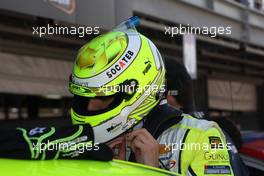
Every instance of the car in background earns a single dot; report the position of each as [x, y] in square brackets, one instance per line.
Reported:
[252, 151]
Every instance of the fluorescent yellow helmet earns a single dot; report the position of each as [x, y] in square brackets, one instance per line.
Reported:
[121, 63]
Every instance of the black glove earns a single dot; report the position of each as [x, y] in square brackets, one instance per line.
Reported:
[40, 143]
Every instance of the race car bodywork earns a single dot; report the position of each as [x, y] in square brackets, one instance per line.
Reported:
[14, 167]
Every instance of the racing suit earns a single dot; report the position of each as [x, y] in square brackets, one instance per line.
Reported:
[189, 146]
[194, 147]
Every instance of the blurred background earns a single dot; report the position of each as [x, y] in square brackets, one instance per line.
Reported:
[227, 70]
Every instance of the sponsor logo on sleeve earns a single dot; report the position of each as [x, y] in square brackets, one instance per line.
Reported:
[220, 169]
[216, 157]
[172, 163]
[215, 142]
[163, 149]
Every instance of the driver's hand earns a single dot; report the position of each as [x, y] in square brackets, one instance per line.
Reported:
[144, 146]
[118, 147]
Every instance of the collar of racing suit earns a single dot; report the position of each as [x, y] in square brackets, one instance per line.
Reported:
[158, 120]
[161, 118]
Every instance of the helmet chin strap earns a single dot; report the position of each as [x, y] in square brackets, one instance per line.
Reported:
[139, 125]
[136, 127]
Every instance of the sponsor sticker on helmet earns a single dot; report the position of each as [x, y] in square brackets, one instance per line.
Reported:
[114, 127]
[148, 66]
[120, 65]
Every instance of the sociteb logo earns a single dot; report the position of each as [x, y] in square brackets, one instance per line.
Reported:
[120, 65]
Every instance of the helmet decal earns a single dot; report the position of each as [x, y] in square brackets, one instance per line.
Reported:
[116, 68]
